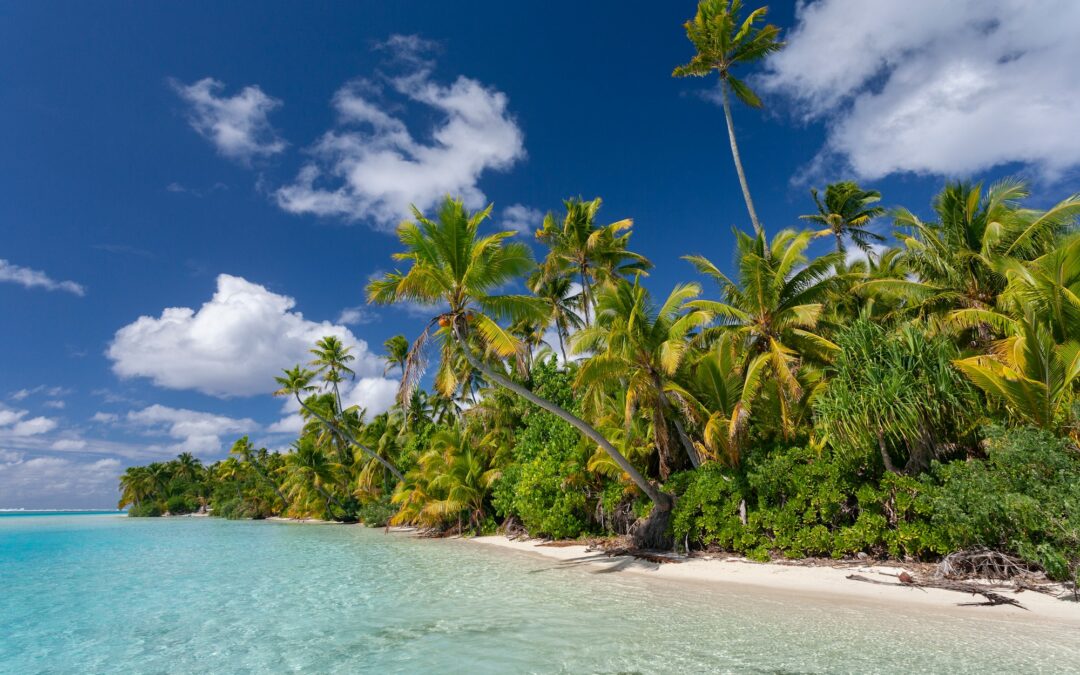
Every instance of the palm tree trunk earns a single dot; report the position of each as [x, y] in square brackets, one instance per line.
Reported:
[341, 432]
[586, 300]
[885, 459]
[662, 500]
[758, 230]
[562, 346]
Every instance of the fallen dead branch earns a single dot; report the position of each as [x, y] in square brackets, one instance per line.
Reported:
[992, 599]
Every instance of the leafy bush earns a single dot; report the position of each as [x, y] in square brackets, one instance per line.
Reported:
[1024, 498]
[180, 504]
[145, 510]
[800, 503]
[542, 485]
[376, 514]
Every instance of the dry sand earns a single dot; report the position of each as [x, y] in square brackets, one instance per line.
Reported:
[821, 582]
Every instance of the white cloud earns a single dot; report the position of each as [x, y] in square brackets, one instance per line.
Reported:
[371, 167]
[46, 390]
[234, 345]
[375, 394]
[69, 444]
[937, 88]
[523, 219]
[197, 432]
[56, 482]
[355, 316]
[55, 404]
[33, 426]
[104, 418]
[9, 416]
[238, 126]
[29, 278]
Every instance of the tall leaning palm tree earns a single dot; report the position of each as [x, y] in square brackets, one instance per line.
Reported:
[724, 40]
[845, 212]
[449, 262]
[397, 352]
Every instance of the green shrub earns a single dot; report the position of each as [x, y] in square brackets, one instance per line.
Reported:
[543, 485]
[180, 504]
[1024, 498]
[145, 510]
[376, 514]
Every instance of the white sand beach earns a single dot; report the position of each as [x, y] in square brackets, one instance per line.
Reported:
[807, 582]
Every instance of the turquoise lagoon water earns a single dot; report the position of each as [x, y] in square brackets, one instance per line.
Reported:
[109, 594]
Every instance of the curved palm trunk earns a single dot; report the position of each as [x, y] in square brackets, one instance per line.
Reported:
[270, 482]
[349, 437]
[663, 501]
[738, 163]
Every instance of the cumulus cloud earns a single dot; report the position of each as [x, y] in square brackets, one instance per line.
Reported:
[104, 417]
[523, 219]
[57, 482]
[196, 432]
[374, 394]
[30, 278]
[937, 88]
[238, 125]
[69, 444]
[371, 167]
[233, 345]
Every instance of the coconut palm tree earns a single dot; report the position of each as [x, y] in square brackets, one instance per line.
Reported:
[845, 212]
[557, 293]
[245, 450]
[724, 41]
[593, 253]
[449, 262]
[187, 467]
[137, 484]
[775, 309]
[1035, 378]
[397, 351]
[307, 469]
[955, 261]
[297, 381]
[643, 345]
[332, 360]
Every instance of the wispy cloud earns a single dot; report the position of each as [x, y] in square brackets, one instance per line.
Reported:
[30, 278]
[355, 316]
[523, 219]
[238, 125]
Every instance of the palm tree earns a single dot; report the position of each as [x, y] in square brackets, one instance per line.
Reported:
[1031, 375]
[594, 253]
[845, 212]
[297, 381]
[775, 309]
[244, 449]
[136, 484]
[557, 294]
[644, 346]
[307, 469]
[450, 263]
[724, 40]
[955, 261]
[331, 361]
[397, 352]
[187, 467]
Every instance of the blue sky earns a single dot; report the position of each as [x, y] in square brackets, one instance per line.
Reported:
[191, 192]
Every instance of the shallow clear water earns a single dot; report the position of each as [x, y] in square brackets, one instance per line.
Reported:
[109, 594]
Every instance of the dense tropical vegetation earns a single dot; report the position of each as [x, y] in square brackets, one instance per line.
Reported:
[914, 400]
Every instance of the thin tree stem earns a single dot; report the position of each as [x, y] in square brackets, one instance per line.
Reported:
[758, 230]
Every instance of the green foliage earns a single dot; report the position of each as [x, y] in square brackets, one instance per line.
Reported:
[538, 487]
[800, 503]
[895, 393]
[376, 514]
[1024, 498]
[145, 510]
[179, 505]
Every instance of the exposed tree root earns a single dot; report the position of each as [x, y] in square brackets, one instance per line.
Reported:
[652, 532]
[992, 599]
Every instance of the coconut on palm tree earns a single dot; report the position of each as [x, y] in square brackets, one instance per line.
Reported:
[450, 262]
[724, 41]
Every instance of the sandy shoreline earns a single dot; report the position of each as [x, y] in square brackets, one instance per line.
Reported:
[828, 583]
